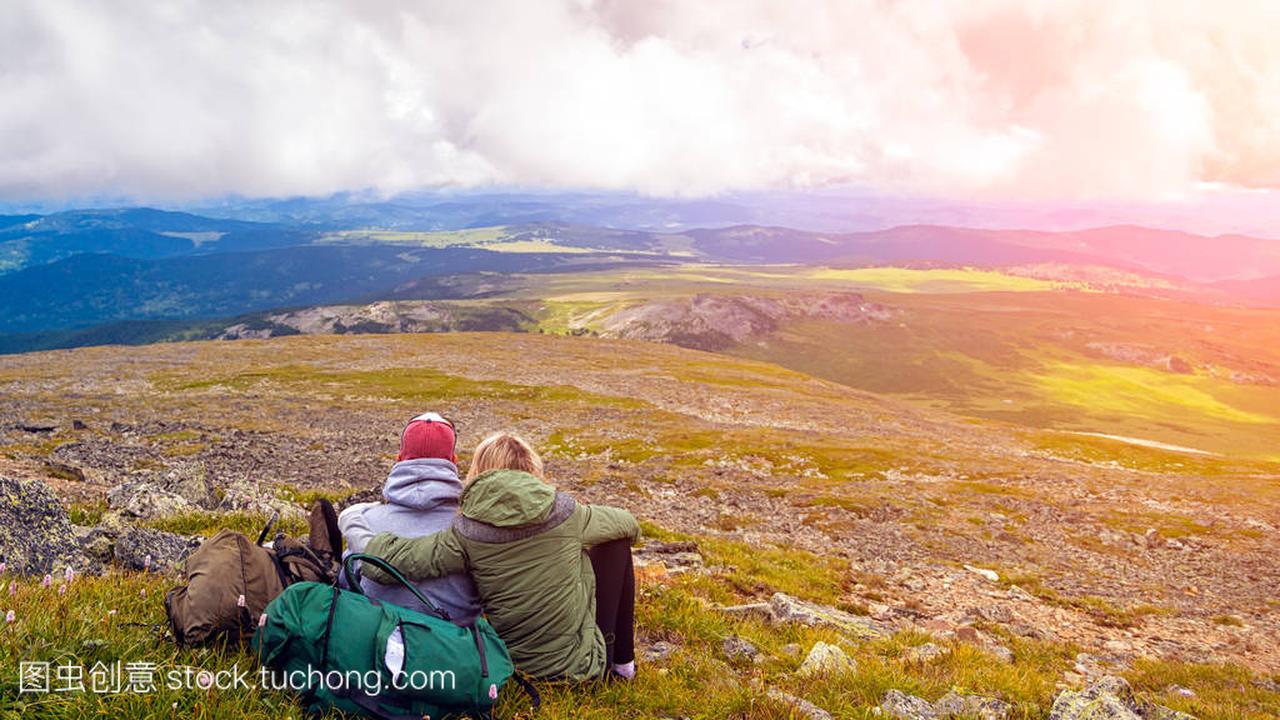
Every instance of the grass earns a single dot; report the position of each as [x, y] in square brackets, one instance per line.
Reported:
[418, 385]
[939, 280]
[118, 618]
[1103, 610]
[1143, 391]
[205, 524]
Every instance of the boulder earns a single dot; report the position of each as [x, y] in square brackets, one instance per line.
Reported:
[738, 649]
[991, 613]
[191, 482]
[250, 497]
[156, 550]
[897, 704]
[36, 535]
[924, 653]
[799, 706]
[955, 704]
[660, 650]
[1109, 698]
[990, 575]
[827, 659]
[675, 557]
[787, 609]
[145, 500]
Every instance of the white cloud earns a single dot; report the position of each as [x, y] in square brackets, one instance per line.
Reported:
[1125, 99]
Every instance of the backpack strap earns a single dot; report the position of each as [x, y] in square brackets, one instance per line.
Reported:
[527, 686]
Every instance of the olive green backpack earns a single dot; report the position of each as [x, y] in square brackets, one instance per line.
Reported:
[230, 578]
[341, 649]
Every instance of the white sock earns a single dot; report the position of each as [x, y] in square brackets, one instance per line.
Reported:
[626, 670]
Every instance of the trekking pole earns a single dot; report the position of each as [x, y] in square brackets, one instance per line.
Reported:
[275, 515]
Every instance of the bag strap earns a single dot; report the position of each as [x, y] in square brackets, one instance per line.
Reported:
[349, 565]
[529, 690]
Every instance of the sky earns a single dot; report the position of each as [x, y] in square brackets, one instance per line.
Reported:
[1115, 101]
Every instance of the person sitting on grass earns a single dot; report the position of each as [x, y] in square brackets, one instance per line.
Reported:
[555, 576]
[421, 495]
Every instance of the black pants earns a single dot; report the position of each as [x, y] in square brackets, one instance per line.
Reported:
[615, 599]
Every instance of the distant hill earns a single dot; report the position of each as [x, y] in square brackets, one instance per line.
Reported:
[1265, 290]
[1163, 252]
[143, 233]
[90, 289]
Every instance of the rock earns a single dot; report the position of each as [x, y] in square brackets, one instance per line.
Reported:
[1267, 684]
[1002, 653]
[924, 653]
[1025, 630]
[245, 496]
[761, 609]
[826, 659]
[968, 633]
[1108, 698]
[660, 650]
[991, 575]
[954, 704]
[738, 649]
[914, 584]
[676, 557]
[190, 482]
[792, 649]
[1018, 593]
[38, 427]
[165, 550]
[787, 609]
[991, 613]
[97, 543]
[1160, 712]
[939, 625]
[1117, 646]
[1180, 691]
[36, 535]
[897, 704]
[145, 500]
[64, 471]
[802, 707]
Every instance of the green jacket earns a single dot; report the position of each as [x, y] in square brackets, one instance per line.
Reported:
[525, 545]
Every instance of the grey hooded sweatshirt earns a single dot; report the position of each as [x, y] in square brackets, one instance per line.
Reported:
[421, 498]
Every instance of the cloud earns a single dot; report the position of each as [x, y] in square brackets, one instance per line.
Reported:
[1119, 100]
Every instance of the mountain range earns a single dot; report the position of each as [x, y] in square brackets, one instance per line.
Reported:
[76, 270]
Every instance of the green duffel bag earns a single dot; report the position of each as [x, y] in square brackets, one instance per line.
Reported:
[340, 649]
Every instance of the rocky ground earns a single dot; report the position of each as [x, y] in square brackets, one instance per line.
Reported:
[961, 530]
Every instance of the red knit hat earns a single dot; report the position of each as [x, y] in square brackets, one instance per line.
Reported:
[428, 436]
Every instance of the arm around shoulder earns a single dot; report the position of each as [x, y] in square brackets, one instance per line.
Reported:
[429, 556]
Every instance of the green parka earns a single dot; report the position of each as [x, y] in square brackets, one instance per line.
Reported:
[525, 545]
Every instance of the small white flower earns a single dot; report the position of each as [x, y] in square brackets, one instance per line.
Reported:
[146, 563]
[62, 589]
[142, 592]
[3, 567]
[69, 574]
[10, 616]
[240, 601]
[48, 580]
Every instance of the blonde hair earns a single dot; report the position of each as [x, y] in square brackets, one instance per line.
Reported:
[504, 451]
